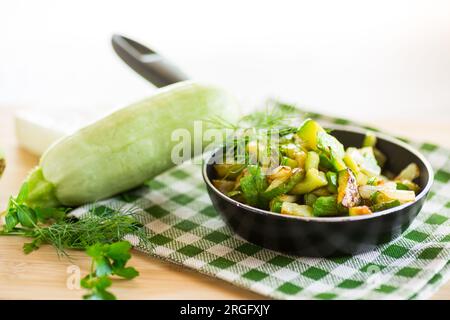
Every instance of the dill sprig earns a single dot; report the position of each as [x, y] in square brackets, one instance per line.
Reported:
[275, 115]
[266, 127]
[100, 232]
[98, 226]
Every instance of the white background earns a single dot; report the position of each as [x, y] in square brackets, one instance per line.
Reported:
[358, 59]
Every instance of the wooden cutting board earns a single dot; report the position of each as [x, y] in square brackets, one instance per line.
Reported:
[42, 275]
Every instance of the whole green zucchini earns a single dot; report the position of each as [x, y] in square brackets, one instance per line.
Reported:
[124, 149]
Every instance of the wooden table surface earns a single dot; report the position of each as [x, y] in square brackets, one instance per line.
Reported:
[42, 275]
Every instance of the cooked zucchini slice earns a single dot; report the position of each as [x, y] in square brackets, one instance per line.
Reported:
[410, 173]
[314, 179]
[308, 133]
[359, 211]
[285, 186]
[224, 186]
[295, 209]
[385, 205]
[228, 170]
[325, 206]
[348, 194]
[312, 161]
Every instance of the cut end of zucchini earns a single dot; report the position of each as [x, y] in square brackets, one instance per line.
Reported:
[41, 193]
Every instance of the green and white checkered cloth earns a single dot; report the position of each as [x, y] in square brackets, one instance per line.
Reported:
[183, 227]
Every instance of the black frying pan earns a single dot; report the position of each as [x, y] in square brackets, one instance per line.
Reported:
[323, 237]
[327, 236]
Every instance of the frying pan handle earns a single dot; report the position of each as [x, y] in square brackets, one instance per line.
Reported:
[146, 62]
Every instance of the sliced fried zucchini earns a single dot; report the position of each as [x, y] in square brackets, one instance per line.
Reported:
[224, 186]
[370, 140]
[367, 190]
[308, 133]
[252, 185]
[348, 195]
[312, 161]
[359, 211]
[325, 206]
[314, 179]
[284, 187]
[388, 195]
[385, 205]
[228, 170]
[407, 185]
[300, 157]
[410, 173]
[365, 160]
[295, 209]
[310, 198]
[286, 161]
[290, 150]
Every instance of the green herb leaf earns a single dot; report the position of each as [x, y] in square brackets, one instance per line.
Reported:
[47, 214]
[102, 283]
[98, 285]
[90, 281]
[100, 295]
[119, 251]
[96, 250]
[11, 221]
[127, 273]
[100, 234]
[26, 216]
[103, 267]
[32, 246]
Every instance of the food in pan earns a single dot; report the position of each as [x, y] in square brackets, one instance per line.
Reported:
[307, 172]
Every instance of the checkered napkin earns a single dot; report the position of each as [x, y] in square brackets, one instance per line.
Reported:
[183, 227]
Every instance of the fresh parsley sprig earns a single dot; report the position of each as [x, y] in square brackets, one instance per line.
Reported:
[107, 260]
[100, 233]
[18, 213]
